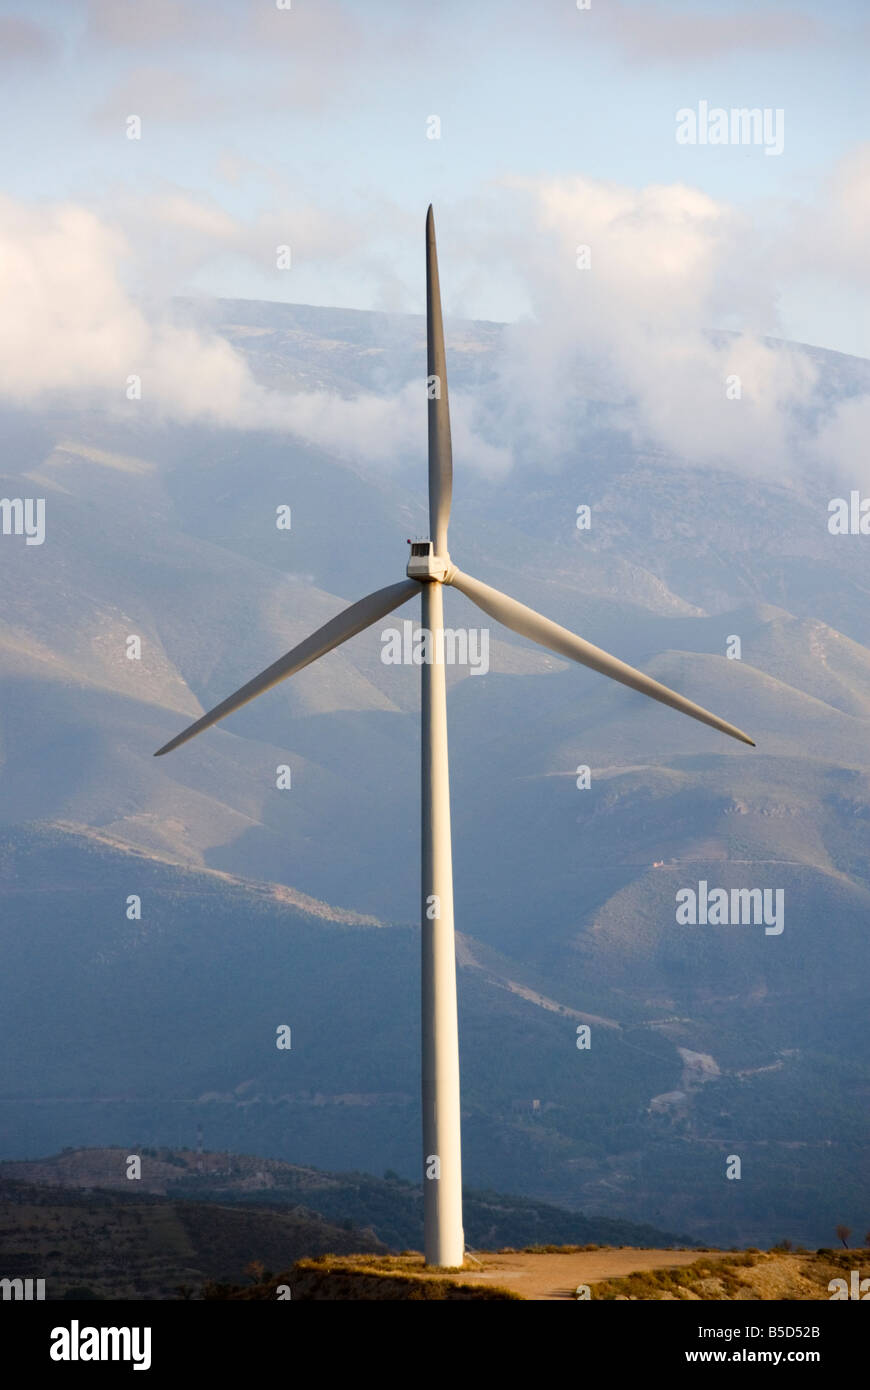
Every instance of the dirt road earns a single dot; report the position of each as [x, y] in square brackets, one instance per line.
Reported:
[557, 1276]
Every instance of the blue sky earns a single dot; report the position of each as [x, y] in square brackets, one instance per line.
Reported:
[260, 112]
[266, 127]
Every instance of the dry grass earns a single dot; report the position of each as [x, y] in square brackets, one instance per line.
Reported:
[553, 1272]
[753, 1275]
[383, 1277]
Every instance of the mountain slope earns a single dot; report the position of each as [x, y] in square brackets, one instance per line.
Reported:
[566, 896]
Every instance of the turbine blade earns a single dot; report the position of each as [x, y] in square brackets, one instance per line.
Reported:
[528, 623]
[347, 624]
[440, 451]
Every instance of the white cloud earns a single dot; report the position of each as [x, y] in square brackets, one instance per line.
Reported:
[158, 22]
[830, 237]
[624, 344]
[841, 445]
[163, 94]
[389, 429]
[675, 33]
[628, 340]
[301, 58]
[70, 329]
[24, 43]
[173, 233]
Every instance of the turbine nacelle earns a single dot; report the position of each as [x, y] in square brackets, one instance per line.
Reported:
[426, 566]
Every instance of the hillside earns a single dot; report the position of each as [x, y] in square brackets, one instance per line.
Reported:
[116, 1245]
[169, 1026]
[193, 1218]
[263, 907]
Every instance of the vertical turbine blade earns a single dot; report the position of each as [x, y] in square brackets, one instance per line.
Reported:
[347, 624]
[530, 624]
[440, 452]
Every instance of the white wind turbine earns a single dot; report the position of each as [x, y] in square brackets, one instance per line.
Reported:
[428, 569]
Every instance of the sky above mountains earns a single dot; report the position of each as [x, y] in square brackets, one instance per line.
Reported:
[288, 151]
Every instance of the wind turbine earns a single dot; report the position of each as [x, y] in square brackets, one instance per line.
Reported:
[429, 568]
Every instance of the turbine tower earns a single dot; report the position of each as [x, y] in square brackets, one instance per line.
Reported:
[429, 568]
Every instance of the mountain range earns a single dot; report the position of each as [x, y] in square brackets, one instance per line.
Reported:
[262, 907]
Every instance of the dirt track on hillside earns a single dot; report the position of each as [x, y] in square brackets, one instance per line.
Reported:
[557, 1276]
